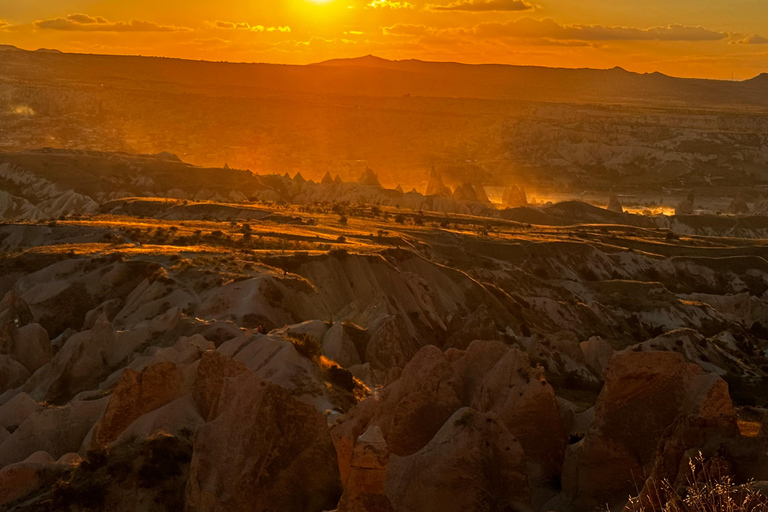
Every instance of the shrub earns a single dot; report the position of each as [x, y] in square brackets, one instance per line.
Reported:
[307, 346]
[400, 219]
[707, 488]
[341, 377]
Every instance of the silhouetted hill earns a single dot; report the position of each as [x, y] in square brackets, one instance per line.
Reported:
[373, 76]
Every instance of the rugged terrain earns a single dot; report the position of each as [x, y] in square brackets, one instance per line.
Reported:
[176, 337]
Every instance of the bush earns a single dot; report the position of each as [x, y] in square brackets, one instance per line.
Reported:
[708, 488]
[307, 346]
[341, 377]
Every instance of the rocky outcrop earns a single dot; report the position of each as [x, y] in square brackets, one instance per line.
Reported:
[685, 207]
[480, 193]
[364, 487]
[436, 187]
[739, 205]
[614, 204]
[55, 430]
[465, 192]
[514, 197]
[472, 463]
[417, 405]
[263, 451]
[212, 370]
[136, 394]
[369, 179]
[327, 179]
[523, 400]
[644, 393]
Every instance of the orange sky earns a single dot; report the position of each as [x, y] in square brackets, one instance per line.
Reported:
[704, 38]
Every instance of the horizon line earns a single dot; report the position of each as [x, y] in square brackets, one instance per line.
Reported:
[529, 66]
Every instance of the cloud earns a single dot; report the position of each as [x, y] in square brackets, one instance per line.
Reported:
[549, 29]
[4, 24]
[484, 6]
[228, 25]
[753, 39]
[389, 4]
[407, 30]
[86, 23]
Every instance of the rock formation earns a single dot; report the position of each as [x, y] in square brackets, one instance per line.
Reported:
[614, 204]
[648, 390]
[369, 179]
[514, 197]
[465, 192]
[436, 187]
[685, 207]
[739, 205]
[263, 451]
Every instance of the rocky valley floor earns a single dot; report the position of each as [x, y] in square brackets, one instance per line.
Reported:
[162, 354]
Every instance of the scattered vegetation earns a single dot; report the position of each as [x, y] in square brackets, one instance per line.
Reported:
[708, 488]
[307, 346]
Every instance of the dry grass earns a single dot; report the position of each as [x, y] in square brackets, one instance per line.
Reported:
[708, 488]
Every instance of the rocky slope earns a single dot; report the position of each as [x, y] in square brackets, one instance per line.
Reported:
[162, 354]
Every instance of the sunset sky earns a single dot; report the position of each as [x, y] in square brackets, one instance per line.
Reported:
[702, 38]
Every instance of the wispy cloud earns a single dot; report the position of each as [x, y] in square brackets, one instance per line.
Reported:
[86, 23]
[548, 28]
[753, 39]
[389, 4]
[229, 25]
[484, 6]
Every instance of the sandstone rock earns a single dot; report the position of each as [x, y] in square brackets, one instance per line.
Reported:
[596, 352]
[685, 207]
[17, 409]
[480, 193]
[177, 418]
[20, 479]
[264, 451]
[436, 187]
[340, 347]
[209, 380]
[33, 347]
[472, 463]
[614, 204]
[347, 429]
[56, 430]
[135, 395]
[369, 178]
[644, 393]
[473, 366]
[465, 192]
[414, 407]
[364, 489]
[514, 197]
[739, 205]
[12, 373]
[526, 404]
[79, 365]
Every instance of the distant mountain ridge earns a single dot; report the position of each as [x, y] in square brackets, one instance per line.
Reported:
[374, 76]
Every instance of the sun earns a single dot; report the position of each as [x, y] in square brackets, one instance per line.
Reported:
[320, 2]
